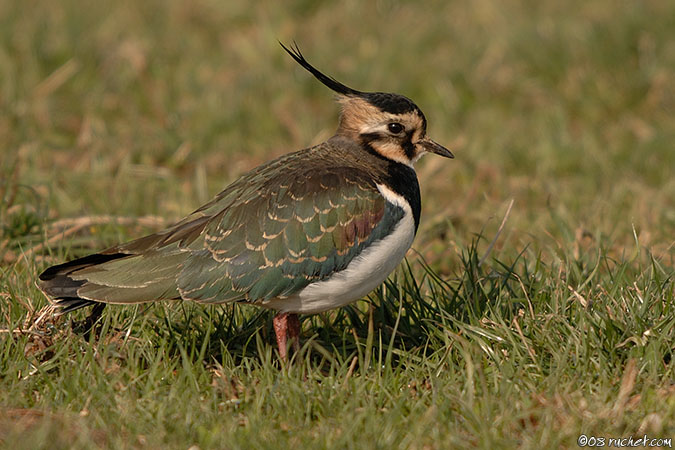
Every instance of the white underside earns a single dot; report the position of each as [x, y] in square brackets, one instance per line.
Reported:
[363, 274]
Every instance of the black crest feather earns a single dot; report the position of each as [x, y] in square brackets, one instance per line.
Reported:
[392, 103]
[330, 82]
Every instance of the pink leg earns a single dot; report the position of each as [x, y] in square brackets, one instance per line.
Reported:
[294, 331]
[287, 325]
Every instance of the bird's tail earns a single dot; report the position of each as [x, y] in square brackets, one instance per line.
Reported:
[62, 290]
[112, 277]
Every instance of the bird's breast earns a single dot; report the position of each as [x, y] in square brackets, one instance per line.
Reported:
[363, 274]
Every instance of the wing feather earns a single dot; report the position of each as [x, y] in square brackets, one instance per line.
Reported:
[288, 240]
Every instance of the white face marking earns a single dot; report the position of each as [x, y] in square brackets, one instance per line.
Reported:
[393, 151]
[390, 145]
[420, 152]
[360, 118]
[363, 274]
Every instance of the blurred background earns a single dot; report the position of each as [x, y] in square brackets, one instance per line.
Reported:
[147, 109]
[120, 117]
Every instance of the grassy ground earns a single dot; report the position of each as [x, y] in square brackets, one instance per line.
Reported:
[116, 118]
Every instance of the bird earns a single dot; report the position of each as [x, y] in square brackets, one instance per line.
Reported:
[310, 231]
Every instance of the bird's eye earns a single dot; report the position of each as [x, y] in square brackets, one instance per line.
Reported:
[395, 127]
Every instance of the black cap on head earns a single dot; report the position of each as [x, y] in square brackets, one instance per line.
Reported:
[391, 103]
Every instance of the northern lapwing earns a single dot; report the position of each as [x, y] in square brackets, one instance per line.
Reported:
[308, 232]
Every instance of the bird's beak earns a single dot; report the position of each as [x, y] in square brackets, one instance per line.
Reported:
[433, 147]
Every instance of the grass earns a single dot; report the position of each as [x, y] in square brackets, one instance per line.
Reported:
[117, 119]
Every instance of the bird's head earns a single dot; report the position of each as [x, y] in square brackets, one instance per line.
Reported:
[389, 124]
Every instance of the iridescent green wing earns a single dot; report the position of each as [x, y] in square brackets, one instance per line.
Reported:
[142, 270]
[281, 233]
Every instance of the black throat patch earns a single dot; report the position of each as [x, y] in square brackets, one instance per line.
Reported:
[401, 179]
